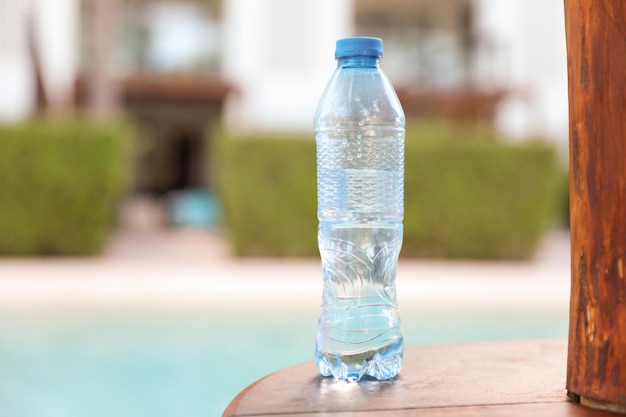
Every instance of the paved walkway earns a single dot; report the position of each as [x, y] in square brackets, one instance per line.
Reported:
[179, 270]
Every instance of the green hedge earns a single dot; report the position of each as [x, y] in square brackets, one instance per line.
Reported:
[471, 196]
[60, 185]
[267, 188]
[467, 195]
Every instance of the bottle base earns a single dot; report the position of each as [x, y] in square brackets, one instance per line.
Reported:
[380, 364]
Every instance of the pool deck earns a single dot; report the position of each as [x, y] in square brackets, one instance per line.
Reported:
[186, 270]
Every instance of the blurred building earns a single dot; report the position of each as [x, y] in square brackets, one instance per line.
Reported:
[180, 66]
[503, 62]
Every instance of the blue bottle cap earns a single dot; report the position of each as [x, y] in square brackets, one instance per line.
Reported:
[359, 47]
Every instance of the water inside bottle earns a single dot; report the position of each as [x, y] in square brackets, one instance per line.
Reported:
[359, 332]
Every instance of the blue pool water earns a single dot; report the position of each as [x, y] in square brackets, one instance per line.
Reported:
[189, 365]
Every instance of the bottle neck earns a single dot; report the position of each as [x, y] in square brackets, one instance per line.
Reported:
[358, 62]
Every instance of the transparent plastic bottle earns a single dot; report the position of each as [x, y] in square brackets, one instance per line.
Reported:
[359, 132]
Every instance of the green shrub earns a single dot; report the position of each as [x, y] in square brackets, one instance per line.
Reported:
[60, 185]
[467, 195]
[475, 198]
[267, 189]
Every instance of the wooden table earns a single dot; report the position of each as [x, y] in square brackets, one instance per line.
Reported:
[524, 378]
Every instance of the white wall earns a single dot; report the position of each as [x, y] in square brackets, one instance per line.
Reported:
[55, 24]
[17, 96]
[523, 50]
[280, 54]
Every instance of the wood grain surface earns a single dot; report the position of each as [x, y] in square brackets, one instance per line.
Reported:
[474, 379]
[596, 51]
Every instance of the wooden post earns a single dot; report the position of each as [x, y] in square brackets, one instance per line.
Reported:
[596, 53]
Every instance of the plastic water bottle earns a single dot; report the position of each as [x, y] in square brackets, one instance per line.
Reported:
[359, 132]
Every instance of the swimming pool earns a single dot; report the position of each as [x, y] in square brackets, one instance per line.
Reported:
[193, 364]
